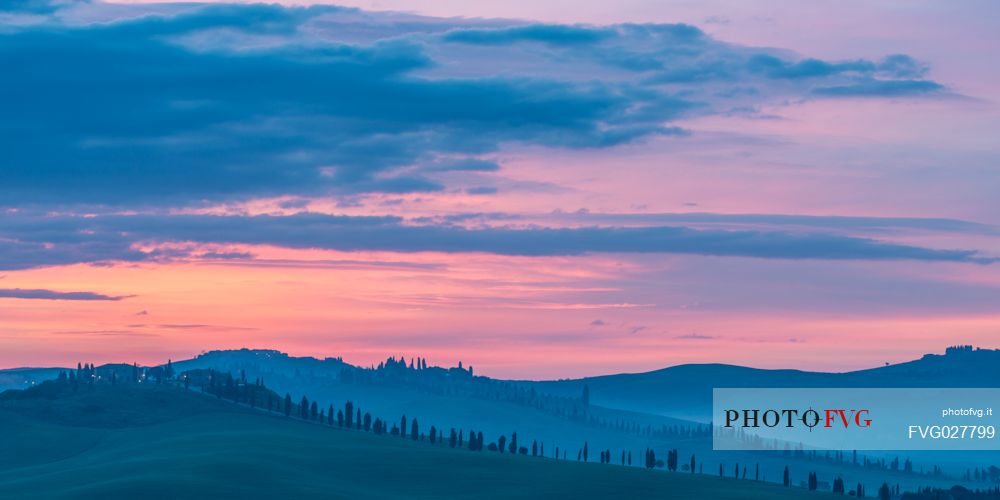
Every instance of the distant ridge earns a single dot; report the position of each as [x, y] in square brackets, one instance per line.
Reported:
[685, 391]
[682, 391]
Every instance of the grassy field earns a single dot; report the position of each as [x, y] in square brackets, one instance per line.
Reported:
[162, 442]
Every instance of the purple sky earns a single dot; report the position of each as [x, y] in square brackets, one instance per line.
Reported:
[542, 189]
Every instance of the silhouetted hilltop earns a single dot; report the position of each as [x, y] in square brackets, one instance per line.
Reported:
[685, 391]
[19, 378]
[238, 359]
[682, 391]
[628, 411]
[963, 365]
[102, 405]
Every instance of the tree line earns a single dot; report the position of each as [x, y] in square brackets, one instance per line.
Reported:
[238, 389]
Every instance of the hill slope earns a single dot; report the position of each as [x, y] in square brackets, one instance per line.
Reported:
[20, 378]
[222, 450]
[682, 392]
[685, 391]
[433, 394]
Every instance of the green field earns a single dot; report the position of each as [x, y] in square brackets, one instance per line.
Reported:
[163, 442]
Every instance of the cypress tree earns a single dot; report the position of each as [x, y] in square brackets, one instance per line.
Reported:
[838, 486]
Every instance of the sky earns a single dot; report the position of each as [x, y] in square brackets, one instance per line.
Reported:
[539, 189]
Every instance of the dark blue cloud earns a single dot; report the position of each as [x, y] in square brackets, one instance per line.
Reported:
[811, 222]
[545, 33]
[881, 88]
[28, 6]
[226, 255]
[39, 294]
[774, 67]
[121, 113]
[52, 240]
[213, 103]
[678, 32]
[902, 66]
[463, 164]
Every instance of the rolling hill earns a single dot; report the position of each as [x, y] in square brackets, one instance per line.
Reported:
[149, 441]
[685, 391]
[679, 392]
[442, 397]
[433, 394]
[20, 378]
